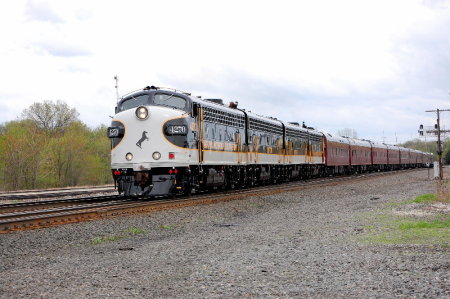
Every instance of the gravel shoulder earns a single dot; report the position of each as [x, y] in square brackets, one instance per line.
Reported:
[307, 243]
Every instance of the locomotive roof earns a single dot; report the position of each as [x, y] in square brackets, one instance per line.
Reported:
[337, 139]
[379, 145]
[300, 128]
[206, 103]
[392, 147]
[360, 142]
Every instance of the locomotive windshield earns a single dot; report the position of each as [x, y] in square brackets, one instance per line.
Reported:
[133, 102]
[157, 99]
[169, 100]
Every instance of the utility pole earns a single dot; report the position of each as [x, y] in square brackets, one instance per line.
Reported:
[438, 132]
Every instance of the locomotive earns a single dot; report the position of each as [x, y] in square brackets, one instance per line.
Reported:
[167, 142]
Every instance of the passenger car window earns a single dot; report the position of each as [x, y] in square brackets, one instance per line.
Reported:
[169, 100]
[134, 102]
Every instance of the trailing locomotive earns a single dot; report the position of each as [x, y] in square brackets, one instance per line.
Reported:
[166, 142]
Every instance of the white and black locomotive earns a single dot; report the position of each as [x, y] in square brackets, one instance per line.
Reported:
[166, 142]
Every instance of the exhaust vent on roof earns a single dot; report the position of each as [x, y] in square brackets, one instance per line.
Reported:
[217, 101]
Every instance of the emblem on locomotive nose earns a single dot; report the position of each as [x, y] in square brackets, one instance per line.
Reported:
[143, 138]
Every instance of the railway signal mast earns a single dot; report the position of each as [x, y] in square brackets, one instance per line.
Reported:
[436, 131]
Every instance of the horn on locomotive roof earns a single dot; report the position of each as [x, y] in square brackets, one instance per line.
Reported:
[233, 105]
[151, 87]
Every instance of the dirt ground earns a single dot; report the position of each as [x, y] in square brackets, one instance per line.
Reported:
[318, 242]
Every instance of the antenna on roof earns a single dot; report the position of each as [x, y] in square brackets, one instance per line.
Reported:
[117, 87]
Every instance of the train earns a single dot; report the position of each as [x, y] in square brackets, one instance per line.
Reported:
[166, 142]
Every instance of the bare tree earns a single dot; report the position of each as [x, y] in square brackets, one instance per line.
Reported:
[51, 116]
[347, 132]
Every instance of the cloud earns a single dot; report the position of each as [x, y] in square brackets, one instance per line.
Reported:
[42, 12]
[71, 68]
[59, 49]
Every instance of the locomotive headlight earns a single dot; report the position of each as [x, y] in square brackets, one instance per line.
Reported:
[156, 155]
[142, 112]
[129, 156]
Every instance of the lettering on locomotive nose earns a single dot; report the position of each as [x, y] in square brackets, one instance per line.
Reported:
[143, 138]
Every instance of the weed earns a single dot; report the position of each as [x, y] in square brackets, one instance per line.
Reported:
[168, 226]
[135, 230]
[129, 231]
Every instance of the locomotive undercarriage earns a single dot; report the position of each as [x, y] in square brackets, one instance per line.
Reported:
[202, 178]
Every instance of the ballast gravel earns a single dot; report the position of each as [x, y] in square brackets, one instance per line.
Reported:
[289, 245]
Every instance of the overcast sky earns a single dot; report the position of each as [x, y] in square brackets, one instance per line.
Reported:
[373, 66]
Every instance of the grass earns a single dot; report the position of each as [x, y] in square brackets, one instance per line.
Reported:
[131, 231]
[390, 229]
[425, 198]
[436, 232]
[135, 230]
[168, 226]
[424, 224]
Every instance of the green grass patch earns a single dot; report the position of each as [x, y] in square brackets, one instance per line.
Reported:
[425, 198]
[135, 230]
[385, 227]
[131, 231]
[425, 224]
[413, 236]
[168, 226]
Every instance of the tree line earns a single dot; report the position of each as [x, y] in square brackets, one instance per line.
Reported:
[48, 146]
[430, 147]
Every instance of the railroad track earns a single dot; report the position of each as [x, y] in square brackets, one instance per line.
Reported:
[50, 193]
[32, 215]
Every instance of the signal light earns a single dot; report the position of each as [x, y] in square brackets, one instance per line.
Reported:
[175, 171]
[117, 172]
[170, 171]
[171, 156]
